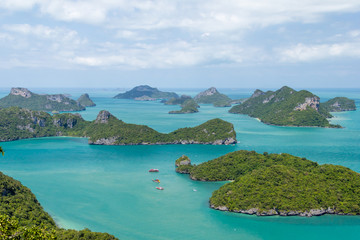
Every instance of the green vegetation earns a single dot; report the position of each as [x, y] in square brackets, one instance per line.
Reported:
[189, 106]
[85, 101]
[339, 104]
[23, 98]
[212, 96]
[177, 101]
[280, 184]
[22, 216]
[285, 107]
[17, 123]
[145, 90]
[183, 164]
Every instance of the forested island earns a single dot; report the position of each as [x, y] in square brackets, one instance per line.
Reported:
[287, 107]
[84, 100]
[17, 123]
[277, 184]
[212, 96]
[146, 93]
[22, 216]
[22, 97]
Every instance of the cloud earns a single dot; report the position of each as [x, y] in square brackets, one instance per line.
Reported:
[204, 15]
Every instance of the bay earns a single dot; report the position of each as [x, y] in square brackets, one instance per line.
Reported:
[109, 188]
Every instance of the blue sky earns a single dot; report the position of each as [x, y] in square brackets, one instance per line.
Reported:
[171, 43]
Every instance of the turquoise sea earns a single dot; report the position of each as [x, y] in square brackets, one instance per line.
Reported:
[109, 188]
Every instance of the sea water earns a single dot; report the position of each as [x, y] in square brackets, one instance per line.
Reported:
[109, 188]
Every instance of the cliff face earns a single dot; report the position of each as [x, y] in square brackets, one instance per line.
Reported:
[312, 102]
[22, 97]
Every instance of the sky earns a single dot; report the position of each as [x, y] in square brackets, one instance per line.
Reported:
[180, 43]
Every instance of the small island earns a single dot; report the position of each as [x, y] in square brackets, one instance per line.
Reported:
[287, 107]
[212, 96]
[17, 123]
[188, 106]
[278, 184]
[22, 97]
[84, 100]
[146, 93]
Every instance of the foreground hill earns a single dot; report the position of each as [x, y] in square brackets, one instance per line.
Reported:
[145, 92]
[17, 123]
[286, 107]
[278, 184]
[22, 97]
[212, 96]
[22, 216]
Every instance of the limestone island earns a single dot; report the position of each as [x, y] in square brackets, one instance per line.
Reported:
[22, 216]
[277, 184]
[212, 96]
[146, 93]
[287, 107]
[17, 123]
[22, 97]
[84, 100]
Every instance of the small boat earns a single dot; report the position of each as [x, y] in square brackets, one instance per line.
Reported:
[159, 188]
[154, 170]
[194, 190]
[156, 180]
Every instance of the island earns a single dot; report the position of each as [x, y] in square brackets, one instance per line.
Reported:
[188, 106]
[278, 184]
[17, 123]
[339, 104]
[84, 100]
[287, 107]
[22, 216]
[212, 96]
[146, 93]
[22, 97]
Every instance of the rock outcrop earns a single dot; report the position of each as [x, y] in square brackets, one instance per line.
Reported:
[23, 92]
[312, 102]
[103, 117]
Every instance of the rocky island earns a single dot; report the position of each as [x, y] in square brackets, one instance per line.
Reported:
[22, 97]
[287, 107]
[188, 106]
[146, 93]
[212, 96]
[84, 100]
[339, 104]
[278, 184]
[17, 123]
[22, 216]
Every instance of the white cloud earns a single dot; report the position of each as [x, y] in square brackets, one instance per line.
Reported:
[305, 53]
[204, 15]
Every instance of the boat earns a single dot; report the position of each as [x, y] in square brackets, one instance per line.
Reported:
[194, 190]
[156, 180]
[159, 188]
[154, 170]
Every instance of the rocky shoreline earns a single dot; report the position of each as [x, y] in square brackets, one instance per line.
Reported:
[112, 141]
[274, 212]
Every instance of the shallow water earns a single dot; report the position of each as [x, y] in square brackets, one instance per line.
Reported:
[109, 188]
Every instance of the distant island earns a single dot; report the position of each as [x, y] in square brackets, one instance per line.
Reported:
[22, 216]
[146, 93]
[277, 184]
[188, 106]
[22, 97]
[287, 107]
[17, 123]
[212, 96]
[84, 100]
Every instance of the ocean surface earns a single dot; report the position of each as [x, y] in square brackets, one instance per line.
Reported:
[109, 188]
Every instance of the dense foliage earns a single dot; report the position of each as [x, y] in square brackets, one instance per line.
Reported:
[177, 101]
[285, 188]
[17, 123]
[339, 104]
[85, 101]
[145, 90]
[282, 108]
[235, 164]
[279, 183]
[41, 103]
[189, 106]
